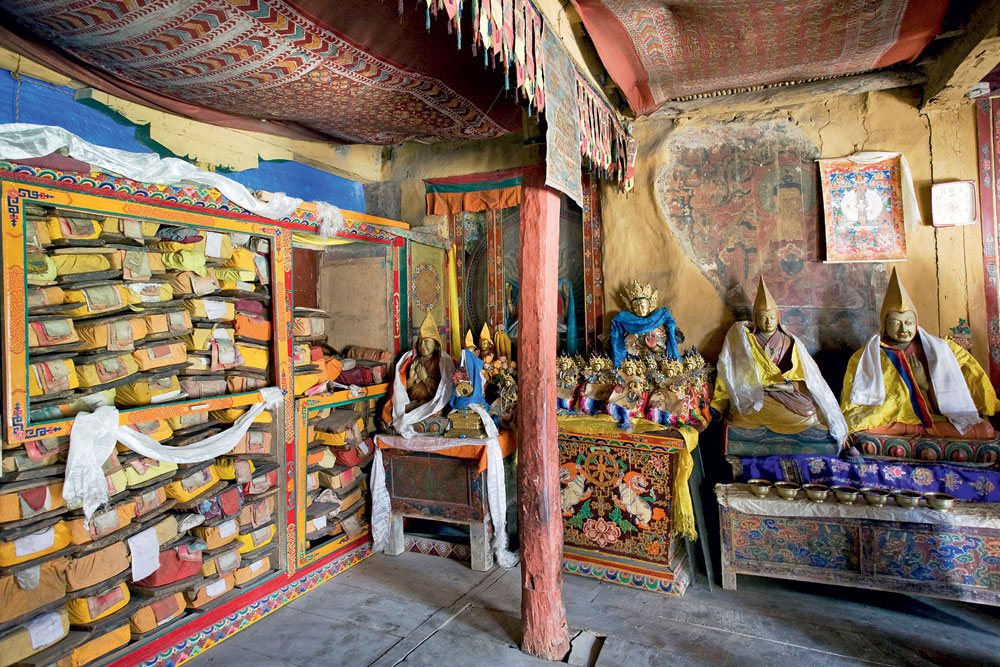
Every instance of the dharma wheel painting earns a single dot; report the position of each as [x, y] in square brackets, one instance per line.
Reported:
[616, 499]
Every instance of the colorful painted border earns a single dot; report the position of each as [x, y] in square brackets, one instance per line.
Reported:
[298, 556]
[988, 139]
[219, 624]
[593, 277]
[358, 226]
[16, 194]
[675, 587]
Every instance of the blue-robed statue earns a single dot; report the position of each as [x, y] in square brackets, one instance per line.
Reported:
[643, 327]
[468, 382]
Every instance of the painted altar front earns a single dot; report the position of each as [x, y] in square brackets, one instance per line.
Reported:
[626, 507]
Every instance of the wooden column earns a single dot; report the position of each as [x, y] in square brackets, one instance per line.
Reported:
[542, 611]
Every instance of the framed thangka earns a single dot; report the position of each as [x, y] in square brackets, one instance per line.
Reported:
[863, 210]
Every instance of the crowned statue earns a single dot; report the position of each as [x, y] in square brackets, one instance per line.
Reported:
[599, 379]
[766, 377]
[628, 398]
[423, 383]
[567, 380]
[643, 328]
[907, 382]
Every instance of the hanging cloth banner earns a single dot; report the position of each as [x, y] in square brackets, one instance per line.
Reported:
[515, 32]
[563, 167]
[475, 192]
[94, 435]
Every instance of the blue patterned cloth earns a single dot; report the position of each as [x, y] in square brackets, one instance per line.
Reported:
[969, 483]
[628, 323]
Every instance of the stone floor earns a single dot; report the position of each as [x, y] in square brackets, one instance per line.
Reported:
[425, 610]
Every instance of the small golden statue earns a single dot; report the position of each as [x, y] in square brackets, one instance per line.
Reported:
[598, 381]
[892, 388]
[567, 381]
[486, 345]
[628, 398]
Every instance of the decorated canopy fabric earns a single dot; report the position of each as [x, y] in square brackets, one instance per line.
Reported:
[657, 51]
[316, 68]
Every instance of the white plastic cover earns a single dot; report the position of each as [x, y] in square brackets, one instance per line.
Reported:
[950, 389]
[911, 212]
[94, 435]
[26, 140]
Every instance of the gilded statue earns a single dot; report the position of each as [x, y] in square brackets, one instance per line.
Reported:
[486, 346]
[567, 380]
[766, 377]
[424, 373]
[598, 381]
[907, 382]
[628, 398]
[643, 327]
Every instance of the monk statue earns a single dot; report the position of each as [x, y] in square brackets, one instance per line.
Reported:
[766, 377]
[643, 327]
[486, 346]
[423, 384]
[907, 382]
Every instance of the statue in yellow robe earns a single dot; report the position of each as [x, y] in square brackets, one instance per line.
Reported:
[766, 377]
[908, 382]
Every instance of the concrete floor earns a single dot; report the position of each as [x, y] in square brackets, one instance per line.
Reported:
[425, 610]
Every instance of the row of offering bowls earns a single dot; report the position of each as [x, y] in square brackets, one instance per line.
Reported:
[846, 495]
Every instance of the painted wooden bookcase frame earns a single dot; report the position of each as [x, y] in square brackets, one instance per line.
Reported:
[19, 185]
[303, 407]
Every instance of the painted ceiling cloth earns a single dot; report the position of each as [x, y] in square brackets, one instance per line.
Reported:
[658, 51]
[355, 72]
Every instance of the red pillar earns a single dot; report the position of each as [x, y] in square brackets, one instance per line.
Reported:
[542, 611]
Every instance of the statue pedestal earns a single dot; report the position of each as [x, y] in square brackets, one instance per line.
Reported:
[916, 552]
[927, 448]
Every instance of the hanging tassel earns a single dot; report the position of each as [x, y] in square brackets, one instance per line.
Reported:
[428, 23]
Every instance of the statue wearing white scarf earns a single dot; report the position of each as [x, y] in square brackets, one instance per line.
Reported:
[908, 382]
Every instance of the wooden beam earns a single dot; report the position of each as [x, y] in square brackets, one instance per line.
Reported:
[792, 94]
[540, 518]
[954, 65]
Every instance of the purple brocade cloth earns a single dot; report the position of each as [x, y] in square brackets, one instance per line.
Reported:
[968, 483]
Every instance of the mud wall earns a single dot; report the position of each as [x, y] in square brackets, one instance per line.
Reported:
[720, 201]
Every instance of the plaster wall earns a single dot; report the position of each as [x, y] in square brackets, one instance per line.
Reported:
[715, 174]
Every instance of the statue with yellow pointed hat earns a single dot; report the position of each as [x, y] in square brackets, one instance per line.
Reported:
[891, 388]
[469, 343]
[486, 344]
[424, 373]
[766, 377]
[423, 377]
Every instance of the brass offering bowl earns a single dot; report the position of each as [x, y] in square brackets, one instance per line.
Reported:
[816, 493]
[940, 501]
[875, 497]
[786, 490]
[759, 487]
[845, 495]
[907, 499]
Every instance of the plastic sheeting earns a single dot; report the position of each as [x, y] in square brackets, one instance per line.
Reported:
[25, 140]
[94, 435]
[496, 490]
[950, 389]
[740, 375]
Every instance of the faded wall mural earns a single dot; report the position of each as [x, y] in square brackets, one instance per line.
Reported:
[743, 200]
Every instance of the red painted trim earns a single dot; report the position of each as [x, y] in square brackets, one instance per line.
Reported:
[618, 54]
[477, 178]
[988, 194]
[204, 620]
